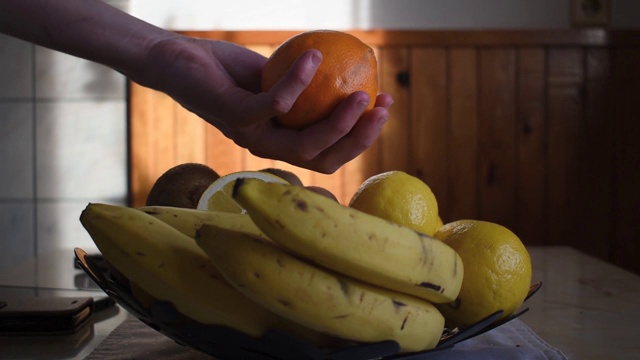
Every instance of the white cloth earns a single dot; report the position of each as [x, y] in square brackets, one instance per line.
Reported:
[513, 340]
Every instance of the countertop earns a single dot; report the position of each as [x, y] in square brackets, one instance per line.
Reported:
[586, 308]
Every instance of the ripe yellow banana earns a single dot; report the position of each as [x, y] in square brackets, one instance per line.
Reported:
[170, 266]
[189, 221]
[352, 242]
[318, 298]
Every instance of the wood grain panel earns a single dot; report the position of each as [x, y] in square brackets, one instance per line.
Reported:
[597, 163]
[565, 101]
[496, 135]
[395, 79]
[531, 166]
[250, 161]
[191, 137]
[341, 183]
[254, 163]
[153, 133]
[462, 135]
[223, 155]
[626, 98]
[306, 176]
[428, 146]
[536, 130]
[444, 38]
[355, 172]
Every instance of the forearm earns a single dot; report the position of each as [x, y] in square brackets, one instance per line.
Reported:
[89, 29]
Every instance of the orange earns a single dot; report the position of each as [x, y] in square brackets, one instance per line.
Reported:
[348, 65]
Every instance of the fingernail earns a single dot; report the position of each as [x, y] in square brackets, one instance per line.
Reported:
[362, 105]
[316, 58]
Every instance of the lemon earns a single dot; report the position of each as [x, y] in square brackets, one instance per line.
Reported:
[398, 197]
[217, 197]
[497, 271]
[439, 223]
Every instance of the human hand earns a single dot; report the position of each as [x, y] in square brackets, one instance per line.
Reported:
[220, 82]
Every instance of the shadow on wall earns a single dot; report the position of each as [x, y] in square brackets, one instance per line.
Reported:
[468, 14]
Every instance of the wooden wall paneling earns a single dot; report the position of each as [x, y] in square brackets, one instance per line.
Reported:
[395, 79]
[531, 166]
[306, 176]
[355, 172]
[383, 37]
[332, 182]
[347, 176]
[263, 49]
[254, 163]
[565, 90]
[485, 127]
[496, 135]
[191, 136]
[596, 175]
[626, 97]
[345, 181]
[153, 142]
[428, 119]
[250, 161]
[462, 135]
[367, 164]
[223, 155]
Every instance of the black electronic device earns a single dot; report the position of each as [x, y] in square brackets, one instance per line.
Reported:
[34, 315]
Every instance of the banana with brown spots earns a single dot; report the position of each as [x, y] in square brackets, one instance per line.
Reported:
[169, 266]
[320, 299]
[352, 242]
[189, 221]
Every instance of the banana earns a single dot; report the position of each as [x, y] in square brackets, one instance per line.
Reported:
[317, 298]
[352, 242]
[168, 265]
[189, 221]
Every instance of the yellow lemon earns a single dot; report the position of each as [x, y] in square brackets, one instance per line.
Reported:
[217, 197]
[439, 223]
[497, 271]
[400, 198]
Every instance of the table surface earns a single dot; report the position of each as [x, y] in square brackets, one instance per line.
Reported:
[586, 308]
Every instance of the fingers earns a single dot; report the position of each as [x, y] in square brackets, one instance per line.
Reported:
[285, 92]
[361, 137]
[324, 134]
[326, 146]
[243, 65]
[384, 100]
[281, 97]
[247, 117]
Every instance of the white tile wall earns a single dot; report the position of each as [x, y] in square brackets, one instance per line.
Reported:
[59, 227]
[63, 144]
[17, 227]
[16, 72]
[60, 76]
[16, 150]
[81, 150]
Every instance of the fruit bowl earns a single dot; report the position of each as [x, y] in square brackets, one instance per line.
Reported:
[226, 343]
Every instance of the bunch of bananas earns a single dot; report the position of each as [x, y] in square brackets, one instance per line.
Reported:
[296, 261]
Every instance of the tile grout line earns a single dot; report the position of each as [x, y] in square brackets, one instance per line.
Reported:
[34, 153]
